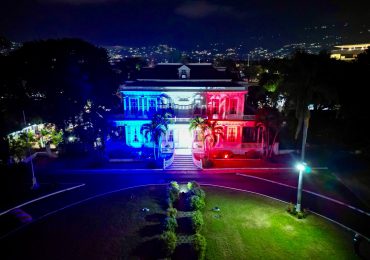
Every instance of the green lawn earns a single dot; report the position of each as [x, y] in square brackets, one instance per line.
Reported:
[254, 227]
[114, 227]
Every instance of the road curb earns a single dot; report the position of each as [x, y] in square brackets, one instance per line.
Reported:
[307, 191]
[40, 198]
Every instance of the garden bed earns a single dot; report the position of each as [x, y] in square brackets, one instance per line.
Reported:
[115, 226]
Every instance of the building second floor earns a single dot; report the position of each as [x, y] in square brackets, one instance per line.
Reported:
[185, 91]
[220, 105]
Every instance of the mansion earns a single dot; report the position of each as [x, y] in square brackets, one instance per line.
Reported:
[187, 91]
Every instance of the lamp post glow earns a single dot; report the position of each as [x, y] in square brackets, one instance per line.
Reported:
[301, 167]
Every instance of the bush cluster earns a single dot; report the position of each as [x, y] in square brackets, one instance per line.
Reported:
[169, 240]
[197, 221]
[173, 193]
[172, 212]
[207, 163]
[198, 192]
[170, 224]
[192, 185]
[200, 244]
[197, 203]
[196, 200]
[197, 196]
[291, 209]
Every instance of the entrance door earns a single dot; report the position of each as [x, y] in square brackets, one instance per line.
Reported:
[183, 139]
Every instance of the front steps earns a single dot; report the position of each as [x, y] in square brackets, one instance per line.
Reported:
[183, 162]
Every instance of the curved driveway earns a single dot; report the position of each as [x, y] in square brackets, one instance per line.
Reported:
[98, 182]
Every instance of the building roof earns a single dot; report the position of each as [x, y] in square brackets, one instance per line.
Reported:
[201, 71]
[181, 83]
[198, 77]
[348, 52]
[361, 46]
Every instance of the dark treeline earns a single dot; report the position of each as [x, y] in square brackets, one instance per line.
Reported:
[335, 92]
[68, 82]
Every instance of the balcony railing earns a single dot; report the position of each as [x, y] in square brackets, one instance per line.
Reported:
[240, 117]
[197, 163]
[252, 145]
[167, 163]
[233, 117]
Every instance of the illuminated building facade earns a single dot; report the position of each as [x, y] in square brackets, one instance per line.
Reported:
[187, 91]
[348, 52]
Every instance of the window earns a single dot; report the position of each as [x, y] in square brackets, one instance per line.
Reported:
[233, 105]
[136, 139]
[152, 104]
[170, 137]
[141, 103]
[231, 134]
[215, 106]
[144, 104]
[183, 74]
[134, 105]
[249, 135]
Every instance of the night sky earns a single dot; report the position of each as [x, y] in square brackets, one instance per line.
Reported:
[176, 22]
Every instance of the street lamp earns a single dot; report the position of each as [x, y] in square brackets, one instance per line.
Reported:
[35, 185]
[301, 167]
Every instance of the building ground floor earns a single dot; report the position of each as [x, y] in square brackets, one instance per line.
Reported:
[239, 138]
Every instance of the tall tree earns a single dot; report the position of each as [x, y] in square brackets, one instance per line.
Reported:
[307, 82]
[53, 80]
[271, 121]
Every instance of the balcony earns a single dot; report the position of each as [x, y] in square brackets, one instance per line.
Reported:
[181, 119]
[233, 117]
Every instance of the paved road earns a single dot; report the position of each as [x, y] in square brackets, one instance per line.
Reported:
[98, 182]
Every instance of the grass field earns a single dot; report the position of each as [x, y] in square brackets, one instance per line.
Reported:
[115, 227]
[253, 227]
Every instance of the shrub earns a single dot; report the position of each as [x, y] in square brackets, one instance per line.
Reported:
[173, 191]
[207, 163]
[192, 185]
[197, 203]
[169, 240]
[170, 224]
[302, 214]
[197, 221]
[200, 244]
[253, 154]
[175, 185]
[198, 192]
[169, 202]
[291, 209]
[171, 212]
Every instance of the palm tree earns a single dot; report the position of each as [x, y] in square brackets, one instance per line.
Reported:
[155, 129]
[210, 132]
[269, 118]
[213, 133]
[197, 124]
[307, 82]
